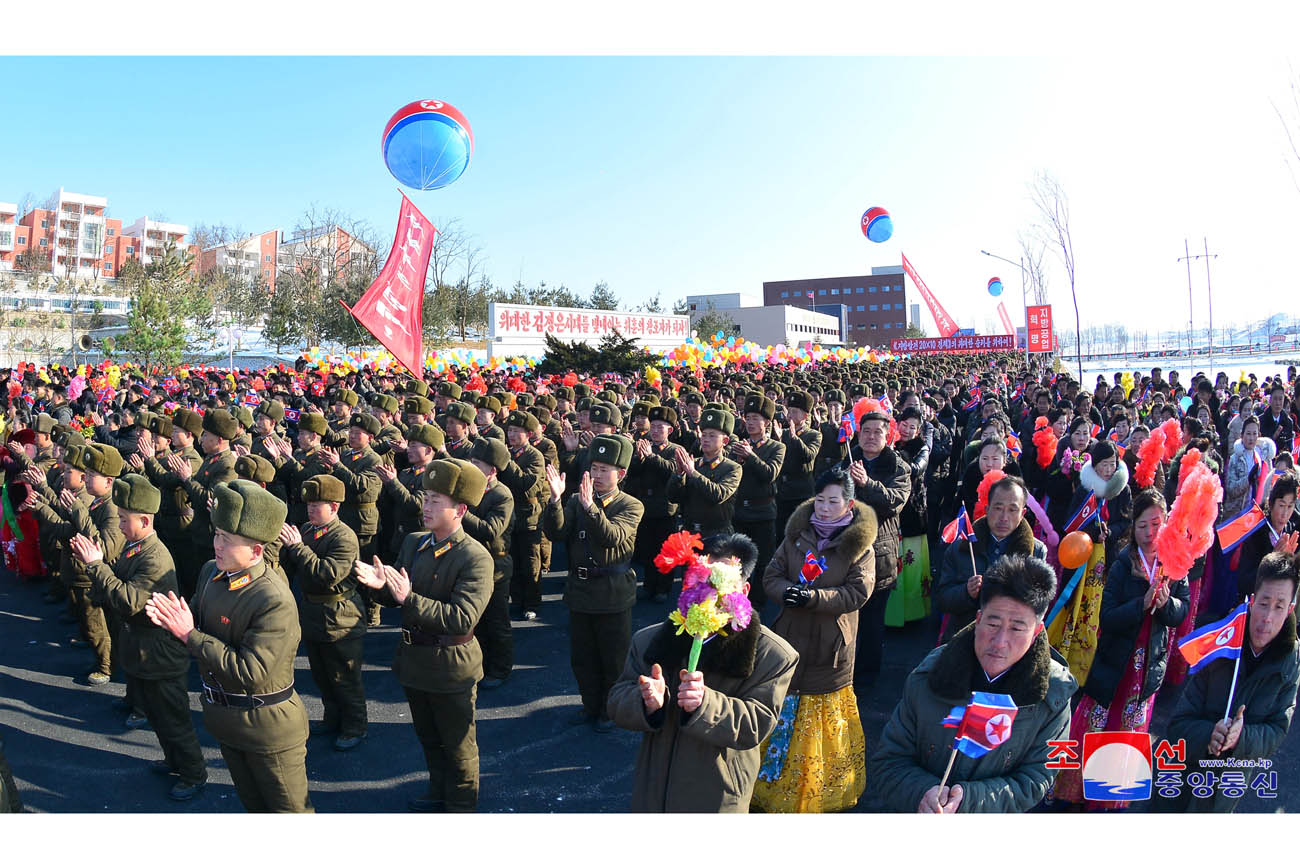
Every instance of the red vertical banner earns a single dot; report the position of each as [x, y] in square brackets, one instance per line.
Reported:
[392, 307]
[947, 327]
[1007, 327]
[1039, 328]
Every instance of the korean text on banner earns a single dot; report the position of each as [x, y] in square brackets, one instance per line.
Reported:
[1039, 330]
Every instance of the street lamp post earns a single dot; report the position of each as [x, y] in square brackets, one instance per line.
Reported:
[1024, 297]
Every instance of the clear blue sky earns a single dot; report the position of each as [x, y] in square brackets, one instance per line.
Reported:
[685, 175]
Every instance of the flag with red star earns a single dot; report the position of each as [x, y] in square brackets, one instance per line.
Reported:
[983, 724]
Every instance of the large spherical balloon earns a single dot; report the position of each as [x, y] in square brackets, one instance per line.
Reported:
[427, 144]
[877, 225]
[995, 286]
[1074, 549]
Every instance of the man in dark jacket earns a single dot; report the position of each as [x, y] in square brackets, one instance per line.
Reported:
[490, 524]
[1276, 422]
[802, 442]
[652, 468]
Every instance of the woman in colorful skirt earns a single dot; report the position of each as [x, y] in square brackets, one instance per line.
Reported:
[823, 572]
[909, 600]
[1103, 485]
[1140, 609]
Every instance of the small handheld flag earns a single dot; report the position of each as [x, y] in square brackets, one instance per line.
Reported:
[1218, 640]
[983, 724]
[813, 566]
[961, 525]
[1087, 513]
[973, 401]
[1236, 530]
[848, 427]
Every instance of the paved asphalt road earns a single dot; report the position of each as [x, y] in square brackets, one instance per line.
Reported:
[71, 752]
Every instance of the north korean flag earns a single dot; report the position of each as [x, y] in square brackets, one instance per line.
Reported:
[960, 526]
[1218, 640]
[813, 566]
[973, 401]
[983, 724]
[1086, 514]
[848, 427]
[1233, 532]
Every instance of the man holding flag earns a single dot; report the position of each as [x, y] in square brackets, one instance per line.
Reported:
[1024, 703]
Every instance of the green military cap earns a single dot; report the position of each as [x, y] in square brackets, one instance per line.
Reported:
[385, 402]
[313, 422]
[104, 459]
[857, 389]
[584, 404]
[243, 417]
[323, 488]
[617, 387]
[666, 414]
[188, 420]
[834, 395]
[564, 392]
[428, 434]
[74, 455]
[133, 492]
[523, 400]
[221, 423]
[462, 412]
[418, 387]
[606, 413]
[610, 396]
[611, 450]
[368, 423]
[581, 390]
[725, 391]
[251, 467]
[458, 479]
[640, 408]
[43, 423]
[493, 452]
[799, 400]
[243, 508]
[756, 402]
[143, 418]
[272, 409]
[523, 420]
[161, 425]
[485, 401]
[693, 397]
[717, 419]
[448, 388]
[651, 396]
[721, 407]
[417, 405]
[348, 396]
[547, 400]
[542, 413]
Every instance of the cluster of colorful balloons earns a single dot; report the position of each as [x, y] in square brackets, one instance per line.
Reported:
[721, 350]
[439, 361]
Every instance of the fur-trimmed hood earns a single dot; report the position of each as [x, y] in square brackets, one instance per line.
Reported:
[1282, 645]
[730, 653]
[1263, 444]
[1021, 538]
[856, 539]
[1027, 682]
[1105, 490]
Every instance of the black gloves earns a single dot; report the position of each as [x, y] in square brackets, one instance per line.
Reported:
[798, 595]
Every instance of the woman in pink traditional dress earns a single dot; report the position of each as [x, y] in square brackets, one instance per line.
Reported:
[1140, 609]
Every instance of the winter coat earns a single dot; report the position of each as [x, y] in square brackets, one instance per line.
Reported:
[949, 591]
[1269, 695]
[825, 631]
[1240, 476]
[1059, 488]
[1176, 470]
[1115, 501]
[914, 518]
[889, 484]
[707, 760]
[915, 747]
[1120, 621]
[1254, 549]
[1281, 431]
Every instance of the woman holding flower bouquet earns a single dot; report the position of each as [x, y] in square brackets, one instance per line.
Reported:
[824, 571]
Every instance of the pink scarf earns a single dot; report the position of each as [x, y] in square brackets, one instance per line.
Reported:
[825, 530]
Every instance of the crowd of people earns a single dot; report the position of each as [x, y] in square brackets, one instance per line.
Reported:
[232, 517]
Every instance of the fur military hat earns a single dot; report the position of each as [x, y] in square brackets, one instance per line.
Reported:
[610, 396]
[547, 400]
[523, 400]
[493, 452]
[368, 423]
[617, 387]
[799, 400]
[67, 439]
[606, 413]
[458, 479]
[580, 390]
[384, 402]
[693, 397]
[523, 420]
[542, 414]
[834, 395]
[246, 509]
[221, 423]
[428, 434]
[272, 409]
[133, 492]
[161, 425]
[243, 416]
[447, 388]
[491, 404]
[346, 396]
[857, 389]
[104, 459]
[611, 450]
[462, 412]
[43, 423]
[313, 422]
[718, 419]
[584, 404]
[189, 421]
[763, 405]
[142, 419]
[564, 392]
[251, 467]
[323, 488]
[418, 387]
[417, 405]
[74, 456]
[640, 408]
[666, 414]
[651, 396]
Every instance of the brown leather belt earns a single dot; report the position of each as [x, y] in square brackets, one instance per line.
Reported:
[419, 638]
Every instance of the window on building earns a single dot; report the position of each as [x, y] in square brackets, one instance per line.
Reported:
[898, 306]
[898, 324]
[266, 272]
[835, 291]
[108, 269]
[861, 289]
[6, 238]
[45, 242]
[112, 232]
[108, 250]
[884, 288]
[821, 291]
[785, 294]
[130, 251]
[874, 308]
[871, 290]
[266, 259]
[887, 326]
[898, 288]
[862, 308]
[22, 241]
[874, 326]
[45, 224]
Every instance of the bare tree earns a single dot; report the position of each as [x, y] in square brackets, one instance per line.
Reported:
[1290, 119]
[1053, 229]
[1033, 251]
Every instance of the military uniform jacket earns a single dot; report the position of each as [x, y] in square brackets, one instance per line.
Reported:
[647, 479]
[406, 493]
[490, 524]
[832, 449]
[356, 469]
[461, 450]
[549, 452]
[600, 541]
[94, 518]
[492, 431]
[525, 475]
[146, 651]
[572, 465]
[261, 450]
[756, 496]
[215, 469]
[171, 522]
[707, 497]
[795, 481]
[322, 562]
[246, 638]
[451, 583]
[383, 445]
[302, 466]
[688, 437]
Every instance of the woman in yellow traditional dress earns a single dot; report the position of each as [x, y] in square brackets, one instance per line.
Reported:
[823, 572]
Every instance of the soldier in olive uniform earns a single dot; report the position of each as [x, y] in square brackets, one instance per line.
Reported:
[242, 439]
[417, 410]
[802, 443]
[322, 554]
[307, 462]
[259, 470]
[457, 421]
[598, 525]
[355, 467]
[404, 490]
[175, 514]
[155, 664]
[761, 458]
[243, 629]
[653, 466]
[688, 434]
[706, 488]
[448, 393]
[341, 411]
[442, 582]
[490, 524]
[486, 411]
[525, 475]
[833, 451]
[218, 465]
[268, 445]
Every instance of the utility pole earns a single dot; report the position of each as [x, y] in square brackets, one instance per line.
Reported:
[1187, 257]
[1209, 297]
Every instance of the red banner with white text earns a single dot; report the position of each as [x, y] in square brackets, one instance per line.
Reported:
[1039, 331]
[1007, 327]
[973, 343]
[392, 307]
[947, 327]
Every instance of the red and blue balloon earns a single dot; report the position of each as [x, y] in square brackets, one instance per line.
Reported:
[995, 286]
[877, 225]
[427, 144]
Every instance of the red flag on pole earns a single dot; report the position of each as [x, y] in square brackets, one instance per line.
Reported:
[1008, 328]
[391, 308]
[947, 327]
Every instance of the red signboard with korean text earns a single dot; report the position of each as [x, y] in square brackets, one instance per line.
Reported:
[1040, 328]
[975, 343]
[565, 323]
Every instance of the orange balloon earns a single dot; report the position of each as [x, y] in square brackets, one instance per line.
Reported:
[1075, 549]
